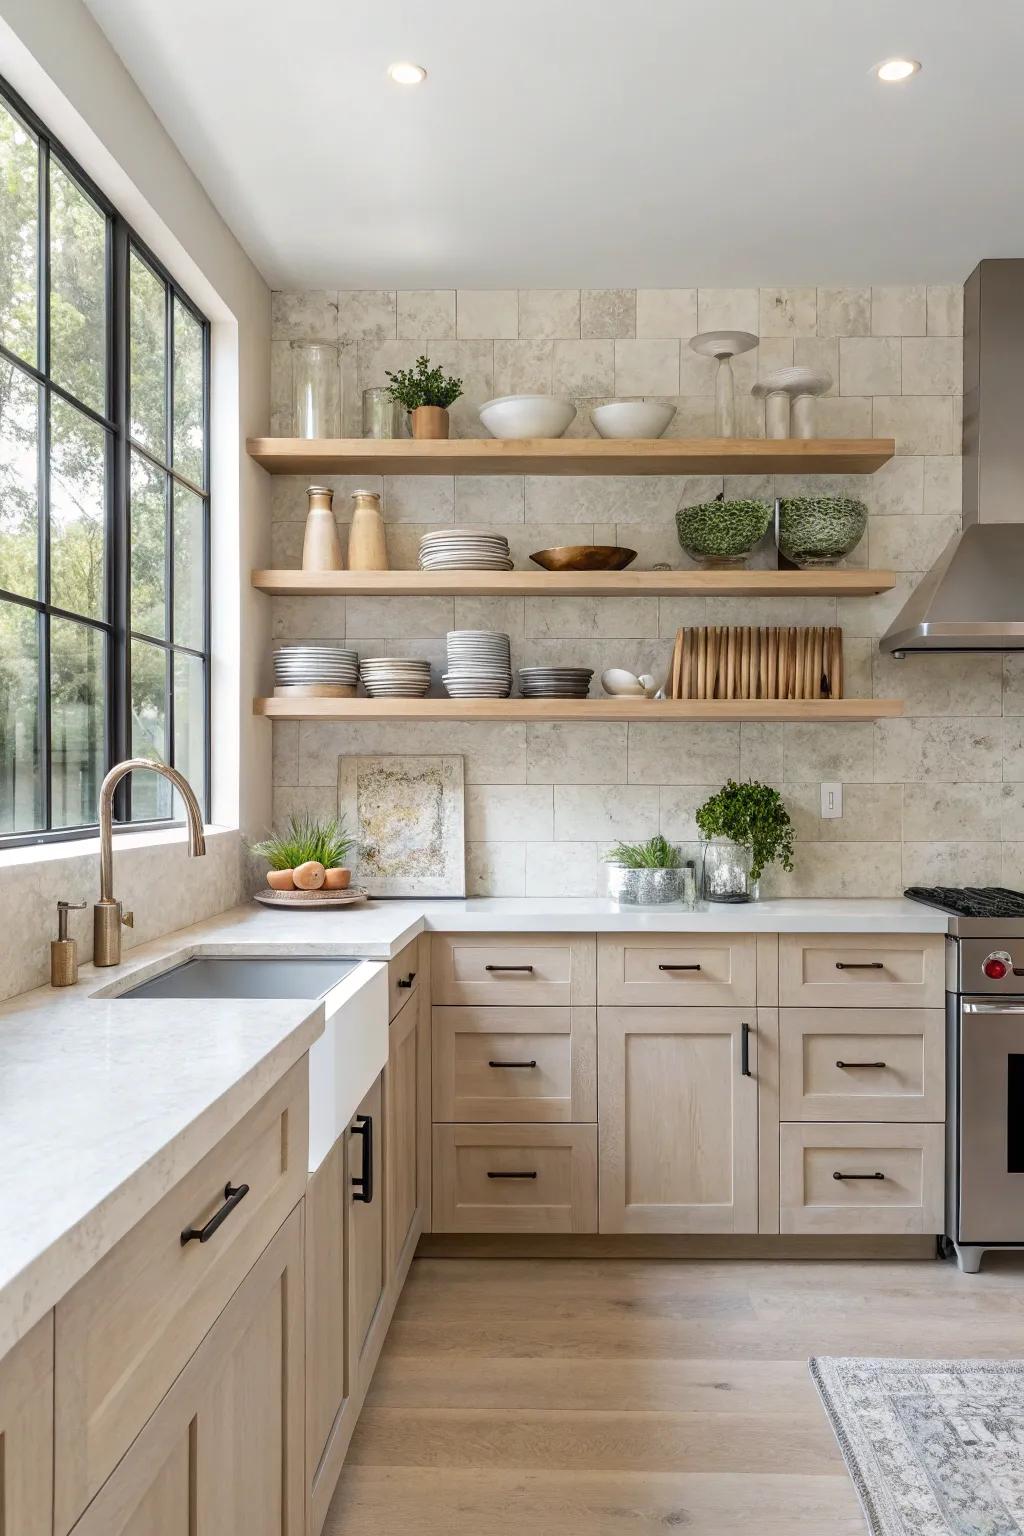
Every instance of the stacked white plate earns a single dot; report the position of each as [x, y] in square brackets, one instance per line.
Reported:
[395, 677]
[555, 682]
[464, 549]
[305, 665]
[479, 665]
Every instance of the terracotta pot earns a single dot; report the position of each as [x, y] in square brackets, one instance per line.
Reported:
[337, 879]
[429, 421]
[309, 876]
[280, 879]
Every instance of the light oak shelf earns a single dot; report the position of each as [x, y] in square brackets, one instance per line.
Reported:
[572, 456]
[742, 583]
[649, 710]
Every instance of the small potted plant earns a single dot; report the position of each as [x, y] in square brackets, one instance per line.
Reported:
[744, 828]
[310, 856]
[647, 874]
[426, 394]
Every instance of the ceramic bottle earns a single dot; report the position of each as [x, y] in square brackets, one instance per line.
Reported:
[321, 546]
[367, 546]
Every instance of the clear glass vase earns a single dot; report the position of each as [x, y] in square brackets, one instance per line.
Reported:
[316, 389]
[726, 871]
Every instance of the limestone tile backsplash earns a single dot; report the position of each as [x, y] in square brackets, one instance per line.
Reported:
[937, 796]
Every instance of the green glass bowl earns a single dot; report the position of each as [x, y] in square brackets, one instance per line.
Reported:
[722, 533]
[820, 530]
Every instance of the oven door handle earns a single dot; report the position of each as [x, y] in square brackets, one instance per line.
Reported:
[966, 1007]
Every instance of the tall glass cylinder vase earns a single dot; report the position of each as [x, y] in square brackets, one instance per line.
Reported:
[316, 389]
[726, 871]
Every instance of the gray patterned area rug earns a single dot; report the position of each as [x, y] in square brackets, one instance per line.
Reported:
[934, 1447]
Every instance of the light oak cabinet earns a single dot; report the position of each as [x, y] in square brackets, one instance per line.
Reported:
[896, 970]
[531, 970]
[868, 1179]
[224, 1450]
[515, 1178]
[367, 1239]
[327, 1377]
[677, 970]
[26, 1434]
[407, 1132]
[677, 1114]
[862, 1063]
[529, 1064]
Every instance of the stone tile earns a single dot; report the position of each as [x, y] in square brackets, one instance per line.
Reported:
[509, 813]
[847, 417]
[953, 813]
[932, 365]
[646, 367]
[583, 368]
[554, 618]
[844, 870]
[813, 752]
[952, 863]
[563, 869]
[1013, 683]
[296, 620]
[420, 499]
[282, 421]
[1012, 874]
[679, 804]
[920, 424]
[871, 813]
[897, 488]
[945, 751]
[489, 501]
[494, 752]
[909, 543]
[285, 752]
[602, 498]
[426, 314]
[387, 616]
[761, 752]
[504, 615]
[945, 309]
[943, 484]
[286, 546]
[495, 869]
[680, 613]
[607, 313]
[815, 352]
[870, 617]
[667, 753]
[289, 502]
[695, 417]
[1011, 821]
[844, 311]
[403, 541]
[666, 312]
[375, 360]
[727, 309]
[788, 311]
[774, 352]
[1013, 752]
[858, 655]
[766, 610]
[564, 753]
[607, 813]
[869, 365]
[309, 316]
[289, 801]
[696, 373]
[898, 311]
[368, 314]
[482, 313]
[549, 313]
[523, 367]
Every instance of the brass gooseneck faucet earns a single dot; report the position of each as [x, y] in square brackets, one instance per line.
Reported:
[107, 916]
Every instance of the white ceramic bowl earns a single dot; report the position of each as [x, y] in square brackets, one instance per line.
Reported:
[527, 416]
[632, 418]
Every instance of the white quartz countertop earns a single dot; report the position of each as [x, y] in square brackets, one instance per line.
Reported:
[106, 1102]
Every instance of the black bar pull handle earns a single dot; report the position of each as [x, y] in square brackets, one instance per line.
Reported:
[838, 1175]
[512, 1175]
[363, 1184]
[508, 967]
[745, 1050]
[695, 967]
[407, 981]
[234, 1194]
[511, 1063]
[859, 965]
[845, 1065]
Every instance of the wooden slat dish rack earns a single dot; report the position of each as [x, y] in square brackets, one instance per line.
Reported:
[748, 662]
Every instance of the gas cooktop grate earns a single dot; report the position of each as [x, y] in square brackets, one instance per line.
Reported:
[970, 900]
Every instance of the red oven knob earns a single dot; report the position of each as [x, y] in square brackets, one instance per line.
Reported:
[997, 965]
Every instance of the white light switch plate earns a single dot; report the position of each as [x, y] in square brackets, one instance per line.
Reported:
[831, 801]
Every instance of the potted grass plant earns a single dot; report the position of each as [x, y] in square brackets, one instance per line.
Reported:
[646, 874]
[744, 828]
[309, 856]
[426, 393]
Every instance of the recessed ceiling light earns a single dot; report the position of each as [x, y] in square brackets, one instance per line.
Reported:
[892, 70]
[407, 74]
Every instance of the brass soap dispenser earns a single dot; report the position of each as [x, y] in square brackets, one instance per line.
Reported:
[64, 951]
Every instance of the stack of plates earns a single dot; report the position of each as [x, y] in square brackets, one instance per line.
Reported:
[325, 671]
[479, 665]
[464, 549]
[395, 677]
[555, 682]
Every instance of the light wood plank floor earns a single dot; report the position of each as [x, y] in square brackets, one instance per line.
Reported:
[619, 1397]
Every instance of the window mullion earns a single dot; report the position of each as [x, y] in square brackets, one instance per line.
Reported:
[119, 666]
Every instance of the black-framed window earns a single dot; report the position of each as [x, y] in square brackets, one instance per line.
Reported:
[104, 502]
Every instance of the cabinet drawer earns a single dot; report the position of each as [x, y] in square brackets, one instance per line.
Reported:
[514, 1063]
[898, 970]
[679, 971]
[125, 1331]
[862, 1063]
[534, 969]
[404, 977]
[907, 1198]
[508, 1178]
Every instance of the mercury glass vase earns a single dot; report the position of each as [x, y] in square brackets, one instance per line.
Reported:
[726, 871]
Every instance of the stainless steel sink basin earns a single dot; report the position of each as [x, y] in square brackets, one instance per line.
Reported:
[257, 976]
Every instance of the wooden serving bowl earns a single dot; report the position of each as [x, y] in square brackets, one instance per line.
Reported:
[584, 557]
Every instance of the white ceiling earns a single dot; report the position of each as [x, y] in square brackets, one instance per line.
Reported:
[593, 142]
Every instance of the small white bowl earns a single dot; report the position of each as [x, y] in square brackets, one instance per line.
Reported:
[527, 416]
[632, 418]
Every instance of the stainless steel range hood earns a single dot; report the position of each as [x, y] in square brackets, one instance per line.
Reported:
[972, 599]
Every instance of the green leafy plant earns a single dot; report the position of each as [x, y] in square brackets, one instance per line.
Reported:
[423, 385]
[754, 815]
[306, 838]
[656, 853]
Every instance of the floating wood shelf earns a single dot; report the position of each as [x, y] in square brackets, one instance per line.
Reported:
[820, 583]
[572, 456]
[579, 709]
